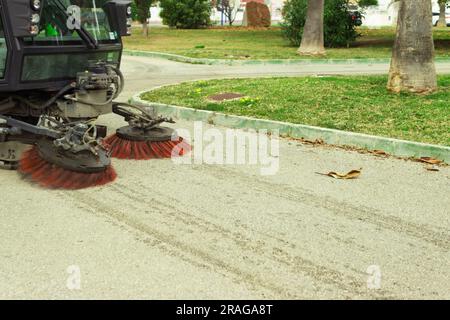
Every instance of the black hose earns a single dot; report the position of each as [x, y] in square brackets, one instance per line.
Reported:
[59, 94]
[48, 103]
[121, 78]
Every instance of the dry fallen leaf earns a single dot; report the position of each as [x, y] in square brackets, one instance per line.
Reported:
[379, 153]
[315, 142]
[430, 160]
[432, 168]
[354, 174]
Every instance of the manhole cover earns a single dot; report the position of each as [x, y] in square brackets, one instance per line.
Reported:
[225, 96]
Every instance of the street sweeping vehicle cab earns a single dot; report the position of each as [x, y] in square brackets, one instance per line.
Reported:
[45, 43]
[59, 71]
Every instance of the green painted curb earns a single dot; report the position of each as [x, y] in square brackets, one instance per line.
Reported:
[230, 62]
[401, 148]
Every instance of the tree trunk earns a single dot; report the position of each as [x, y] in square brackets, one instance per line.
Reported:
[412, 65]
[442, 21]
[230, 16]
[145, 29]
[313, 38]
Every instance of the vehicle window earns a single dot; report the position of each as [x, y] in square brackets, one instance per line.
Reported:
[62, 66]
[3, 50]
[54, 25]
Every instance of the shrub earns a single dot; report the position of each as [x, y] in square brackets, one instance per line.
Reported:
[140, 10]
[134, 10]
[294, 18]
[186, 14]
[339, 28]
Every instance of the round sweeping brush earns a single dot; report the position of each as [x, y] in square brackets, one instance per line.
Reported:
[56, 169]
[139, 144]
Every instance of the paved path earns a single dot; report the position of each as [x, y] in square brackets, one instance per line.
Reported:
[143, 72]
[209, 231]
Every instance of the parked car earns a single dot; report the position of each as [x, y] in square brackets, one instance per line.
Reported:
[356, 17]
[355, 14]
[436, 18]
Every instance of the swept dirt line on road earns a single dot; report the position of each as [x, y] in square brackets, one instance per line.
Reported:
[182, 248]
[366, 214]
[260, 247]
[319, 273]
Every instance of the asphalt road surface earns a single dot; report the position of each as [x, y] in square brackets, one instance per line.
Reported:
[206, 231]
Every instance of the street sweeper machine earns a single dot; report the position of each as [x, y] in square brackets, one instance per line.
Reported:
[59, 71]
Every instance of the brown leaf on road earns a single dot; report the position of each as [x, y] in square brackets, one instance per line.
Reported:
[379, 153]
[432, 168]
[430, 160]
[354, 174]
[312, 142]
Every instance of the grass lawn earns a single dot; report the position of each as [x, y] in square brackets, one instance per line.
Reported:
[242, 43]
[358, 104]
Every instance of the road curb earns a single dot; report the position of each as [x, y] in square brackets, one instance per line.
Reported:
[400, 148]
[230, 62]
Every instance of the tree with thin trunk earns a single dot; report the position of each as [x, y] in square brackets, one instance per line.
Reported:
[442, 8]
[412, 66]
[143, 13]
[229, 8]
[313, 36]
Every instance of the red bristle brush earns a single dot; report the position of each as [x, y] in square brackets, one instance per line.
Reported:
[137, 144]
[49, 175]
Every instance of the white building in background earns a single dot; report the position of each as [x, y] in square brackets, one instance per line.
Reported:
[275, 7]
[384, 14]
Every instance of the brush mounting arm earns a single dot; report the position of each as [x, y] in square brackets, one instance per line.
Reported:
[18, 126]
[138, 117]
[72, 137]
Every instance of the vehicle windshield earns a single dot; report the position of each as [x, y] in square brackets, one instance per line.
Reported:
[61, 20]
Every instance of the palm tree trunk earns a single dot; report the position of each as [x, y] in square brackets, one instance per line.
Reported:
[412, 65]
[145, 29]
[442, 21]
[313, 38]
